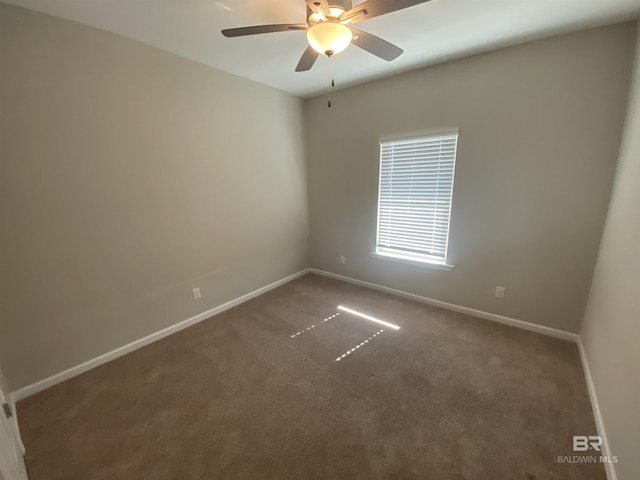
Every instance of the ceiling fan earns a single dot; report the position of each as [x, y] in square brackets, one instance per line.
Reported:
[328, 30]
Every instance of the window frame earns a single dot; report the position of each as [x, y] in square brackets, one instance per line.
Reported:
[420, 259]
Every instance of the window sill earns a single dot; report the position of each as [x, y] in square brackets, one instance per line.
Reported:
[413, 261]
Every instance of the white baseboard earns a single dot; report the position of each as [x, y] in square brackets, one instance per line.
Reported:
[118, 352]
[533, 327]
[597, 414]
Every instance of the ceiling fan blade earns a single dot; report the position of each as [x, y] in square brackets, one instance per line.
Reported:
[319, 6]
[375, 8]
[375, 45]
[282, 27]
[307, 60]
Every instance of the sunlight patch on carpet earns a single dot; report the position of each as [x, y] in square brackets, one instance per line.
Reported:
[314, 325]
[361, 344]
[368, 317]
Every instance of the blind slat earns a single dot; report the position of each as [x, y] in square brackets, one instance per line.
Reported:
[408, 243]
[418, 238]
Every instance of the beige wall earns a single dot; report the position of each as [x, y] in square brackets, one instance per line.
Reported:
[130, 175]
[611, 329]
[540, 126]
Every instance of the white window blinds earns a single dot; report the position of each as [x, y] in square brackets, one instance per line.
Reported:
[414, 203]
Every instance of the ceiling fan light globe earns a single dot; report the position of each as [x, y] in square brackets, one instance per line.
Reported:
[336, 11]
[328, 37]
[315, 18]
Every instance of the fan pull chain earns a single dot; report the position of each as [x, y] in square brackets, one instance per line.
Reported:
[331, 80]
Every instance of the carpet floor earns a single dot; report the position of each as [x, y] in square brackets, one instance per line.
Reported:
[258, 392]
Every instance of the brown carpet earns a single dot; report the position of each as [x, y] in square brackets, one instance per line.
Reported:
[445, 397]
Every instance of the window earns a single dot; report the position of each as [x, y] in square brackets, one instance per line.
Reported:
[414, 200]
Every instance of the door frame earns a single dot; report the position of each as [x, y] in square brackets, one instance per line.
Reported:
[11, 447]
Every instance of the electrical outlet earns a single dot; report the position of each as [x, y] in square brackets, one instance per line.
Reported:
[195, 292]
[500, 292]
[342, 260]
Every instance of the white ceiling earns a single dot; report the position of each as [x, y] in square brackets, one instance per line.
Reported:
[428, 33]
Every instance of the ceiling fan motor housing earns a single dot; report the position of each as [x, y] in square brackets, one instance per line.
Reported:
[342, 4]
